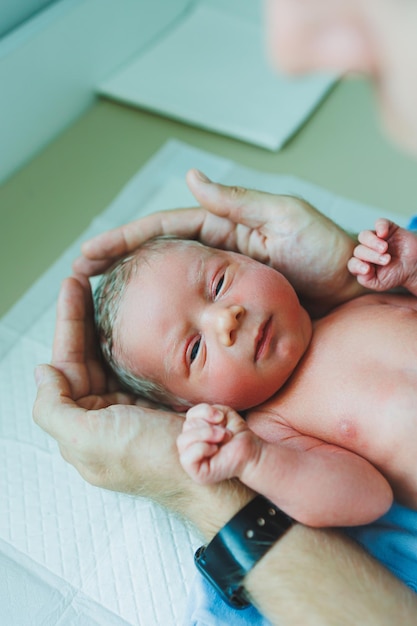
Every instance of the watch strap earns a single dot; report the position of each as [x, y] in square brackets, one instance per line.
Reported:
[239, 545]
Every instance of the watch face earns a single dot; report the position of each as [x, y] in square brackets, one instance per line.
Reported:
[234, 594]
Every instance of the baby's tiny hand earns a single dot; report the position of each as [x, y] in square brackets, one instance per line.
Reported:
[205, 447]
[386, 258]
[371, 252]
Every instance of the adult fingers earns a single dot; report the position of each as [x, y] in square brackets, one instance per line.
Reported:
[86, 296]
[83, 266]
[261, 224]
[69, 339]
[240, 205]
[99, 252]
[53, 404]
[74, 349]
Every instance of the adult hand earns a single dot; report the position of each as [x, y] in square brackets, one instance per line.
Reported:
[77, 399]
[111, 438]
[282, 231]
[119, 446]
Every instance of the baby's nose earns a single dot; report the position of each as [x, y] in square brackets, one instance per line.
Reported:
[228, 321]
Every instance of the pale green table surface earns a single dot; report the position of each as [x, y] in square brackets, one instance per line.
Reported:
[50, 201]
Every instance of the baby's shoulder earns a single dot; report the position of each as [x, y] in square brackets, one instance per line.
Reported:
[374, 300]
[367, 300]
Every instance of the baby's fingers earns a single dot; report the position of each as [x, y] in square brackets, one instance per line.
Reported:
[383, 227]
[196, 449]
[196, 463]
[367, 254]
[358, 268]
[204, 433]
[373, 241]
[204, 413]
[192, 457]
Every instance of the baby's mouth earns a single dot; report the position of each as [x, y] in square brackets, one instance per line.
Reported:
[262, 339]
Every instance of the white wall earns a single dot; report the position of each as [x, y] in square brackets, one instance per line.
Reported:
[50, 65]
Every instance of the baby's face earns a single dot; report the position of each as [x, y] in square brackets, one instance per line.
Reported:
[212, 326]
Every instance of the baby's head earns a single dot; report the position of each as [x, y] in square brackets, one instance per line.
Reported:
[181, 323]
[108, 297]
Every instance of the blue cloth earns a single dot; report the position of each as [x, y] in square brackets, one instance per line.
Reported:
[392, 540]
[207, 608]
[412, 225]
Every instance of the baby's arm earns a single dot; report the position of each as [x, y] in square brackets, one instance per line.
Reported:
[386, 258]
[316, 483]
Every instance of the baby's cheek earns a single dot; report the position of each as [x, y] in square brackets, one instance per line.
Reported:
[243, 391]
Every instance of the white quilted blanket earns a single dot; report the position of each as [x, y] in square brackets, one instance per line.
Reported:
[72, 554]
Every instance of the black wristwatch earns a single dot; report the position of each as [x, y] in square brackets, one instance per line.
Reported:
[238, 546]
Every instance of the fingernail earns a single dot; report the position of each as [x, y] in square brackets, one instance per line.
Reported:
[202, 177]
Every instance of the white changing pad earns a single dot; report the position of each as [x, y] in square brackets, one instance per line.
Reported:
[72, 554]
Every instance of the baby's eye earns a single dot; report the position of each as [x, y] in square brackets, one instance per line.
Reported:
[219, 286]
[194, 350]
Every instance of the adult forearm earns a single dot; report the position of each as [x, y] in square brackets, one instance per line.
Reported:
[321, 578]
[313, 577]
[307, 577]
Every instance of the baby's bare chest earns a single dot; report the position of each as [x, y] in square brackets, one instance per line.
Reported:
[357, 385]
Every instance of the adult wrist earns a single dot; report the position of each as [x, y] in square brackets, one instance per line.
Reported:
[210, 508]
